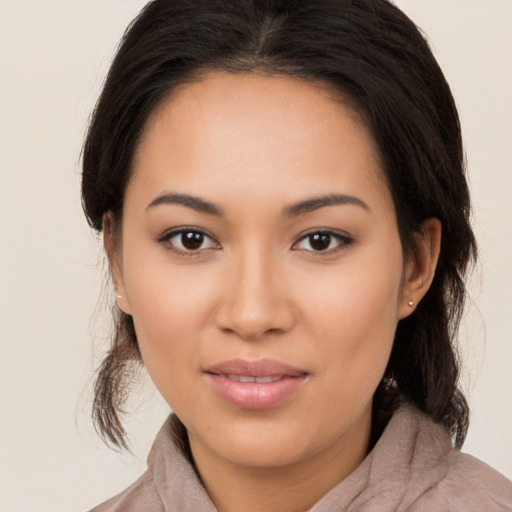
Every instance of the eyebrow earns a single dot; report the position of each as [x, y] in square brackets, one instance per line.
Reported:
[316, 203]
[189, 201]
[300, 208]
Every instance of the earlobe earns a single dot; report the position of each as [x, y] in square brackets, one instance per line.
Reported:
[421, 268]
[113, 252]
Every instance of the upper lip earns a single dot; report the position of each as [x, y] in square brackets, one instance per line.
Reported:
[256, 368]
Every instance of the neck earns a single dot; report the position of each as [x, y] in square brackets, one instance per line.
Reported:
[294, 487]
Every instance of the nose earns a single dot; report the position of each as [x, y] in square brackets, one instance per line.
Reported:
[256, 301]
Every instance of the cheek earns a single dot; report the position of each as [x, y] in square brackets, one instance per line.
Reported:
[360, 296]
[353, 315]
[170, 306]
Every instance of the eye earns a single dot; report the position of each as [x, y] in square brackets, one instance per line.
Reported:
[323, 242]
[188, 240]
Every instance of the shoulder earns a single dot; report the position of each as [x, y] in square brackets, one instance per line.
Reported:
[141, 495]
[457, 482]
[416, 464]
[471, 485]
[169, 483]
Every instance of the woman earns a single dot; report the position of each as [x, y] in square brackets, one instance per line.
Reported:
[282, 195]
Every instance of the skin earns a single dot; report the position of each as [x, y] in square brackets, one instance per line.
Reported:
[253, 146]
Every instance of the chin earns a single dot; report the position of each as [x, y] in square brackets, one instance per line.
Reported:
[262, 452]
[260, 441]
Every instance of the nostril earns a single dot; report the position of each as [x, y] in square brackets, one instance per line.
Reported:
[253, 306]
[249, 331]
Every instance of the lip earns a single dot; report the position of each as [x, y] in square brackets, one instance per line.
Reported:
[284, 380]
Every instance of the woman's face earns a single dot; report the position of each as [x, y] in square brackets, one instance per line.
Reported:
[261, 262]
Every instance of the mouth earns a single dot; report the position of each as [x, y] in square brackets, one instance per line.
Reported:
[252, 378]
[255, 385]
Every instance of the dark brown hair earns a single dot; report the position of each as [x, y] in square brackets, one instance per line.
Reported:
[370, 52]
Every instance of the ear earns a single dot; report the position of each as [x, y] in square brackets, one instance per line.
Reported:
[112, 246]
[421, 267]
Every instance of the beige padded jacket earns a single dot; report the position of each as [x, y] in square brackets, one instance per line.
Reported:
[413, 467]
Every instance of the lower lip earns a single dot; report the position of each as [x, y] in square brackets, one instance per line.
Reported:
[255, 395]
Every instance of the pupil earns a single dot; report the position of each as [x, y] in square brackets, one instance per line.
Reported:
[192, 241]
[320, 242]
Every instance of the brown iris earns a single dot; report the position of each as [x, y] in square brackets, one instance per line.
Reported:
[320, 241]
[192, 240]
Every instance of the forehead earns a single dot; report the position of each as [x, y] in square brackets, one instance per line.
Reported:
[228, 133]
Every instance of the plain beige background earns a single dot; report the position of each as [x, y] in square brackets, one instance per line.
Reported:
[53, 58]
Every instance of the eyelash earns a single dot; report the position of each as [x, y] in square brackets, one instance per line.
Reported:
[343, 241]
[165, 239]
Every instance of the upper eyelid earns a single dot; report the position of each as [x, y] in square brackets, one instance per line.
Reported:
[326, 231]
[344, 240]
[169, 233]
[165, 240]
